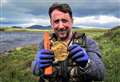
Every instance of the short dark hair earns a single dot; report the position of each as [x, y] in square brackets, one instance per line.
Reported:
[61, 7]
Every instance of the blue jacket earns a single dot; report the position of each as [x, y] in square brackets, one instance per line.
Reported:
[94, 70]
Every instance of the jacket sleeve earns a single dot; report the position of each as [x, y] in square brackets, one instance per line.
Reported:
[94, 69]
[35, 67]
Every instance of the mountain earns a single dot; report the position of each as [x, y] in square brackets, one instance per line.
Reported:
[115, 31]
[16, 27]
[115, 28]
[39, 27]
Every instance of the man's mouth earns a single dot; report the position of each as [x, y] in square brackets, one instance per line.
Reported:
[62, 33]
[61, 30]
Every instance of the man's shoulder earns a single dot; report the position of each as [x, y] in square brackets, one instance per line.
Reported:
[90, 40]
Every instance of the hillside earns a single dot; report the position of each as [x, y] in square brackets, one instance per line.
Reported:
[110, 48]
[38, 27]
[16, 67]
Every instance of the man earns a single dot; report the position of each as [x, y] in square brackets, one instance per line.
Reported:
[83, 62]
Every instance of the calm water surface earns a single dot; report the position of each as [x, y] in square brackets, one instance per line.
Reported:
[10, 40]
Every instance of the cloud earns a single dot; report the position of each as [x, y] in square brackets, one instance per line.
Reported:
[97, 7]
[3, 2]
[40, 20]
[29, 12]
[98, 21]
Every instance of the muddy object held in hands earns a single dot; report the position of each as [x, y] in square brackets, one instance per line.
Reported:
[60, 50]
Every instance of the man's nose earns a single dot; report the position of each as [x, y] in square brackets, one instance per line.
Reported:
[61, 25]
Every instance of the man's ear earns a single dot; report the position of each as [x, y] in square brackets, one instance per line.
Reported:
[72, 20]
[51, 23]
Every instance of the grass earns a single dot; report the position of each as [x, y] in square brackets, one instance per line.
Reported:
[110, 46]
[16, 67]
[10, 29]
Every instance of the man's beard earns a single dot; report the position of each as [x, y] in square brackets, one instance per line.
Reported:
[62, 34]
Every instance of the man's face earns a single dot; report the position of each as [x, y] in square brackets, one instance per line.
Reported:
[61, 23]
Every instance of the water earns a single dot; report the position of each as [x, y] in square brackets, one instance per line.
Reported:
[10, 40]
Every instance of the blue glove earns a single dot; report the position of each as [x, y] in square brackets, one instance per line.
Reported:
[44, 58]
[78, 55]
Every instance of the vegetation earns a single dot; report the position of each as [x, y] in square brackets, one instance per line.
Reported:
[16, 67]
[14, 29]
[110, 46]
[11, 29]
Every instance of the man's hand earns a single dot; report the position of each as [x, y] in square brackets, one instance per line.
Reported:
[44, 58]
[78, 55]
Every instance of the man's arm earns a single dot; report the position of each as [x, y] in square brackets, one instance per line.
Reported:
[35, 66]
[94, 69]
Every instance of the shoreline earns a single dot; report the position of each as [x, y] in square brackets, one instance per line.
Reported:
[7, 52]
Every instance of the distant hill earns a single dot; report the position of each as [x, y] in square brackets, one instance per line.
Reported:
[113, 32]
[44, 27]
[39, 27]
[115, 28]
[16, 27]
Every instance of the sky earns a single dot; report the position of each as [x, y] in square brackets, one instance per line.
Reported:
[86, 13]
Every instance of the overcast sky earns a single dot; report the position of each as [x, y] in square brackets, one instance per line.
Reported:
[88, 13]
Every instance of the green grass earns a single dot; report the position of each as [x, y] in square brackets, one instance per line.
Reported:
[10, 29]
[16, 67]
[110, 47]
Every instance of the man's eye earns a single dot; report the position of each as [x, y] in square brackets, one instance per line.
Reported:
[64, 21]
[56, 21]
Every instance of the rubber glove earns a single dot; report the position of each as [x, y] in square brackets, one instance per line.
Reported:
[44, 58]
[78, 54]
